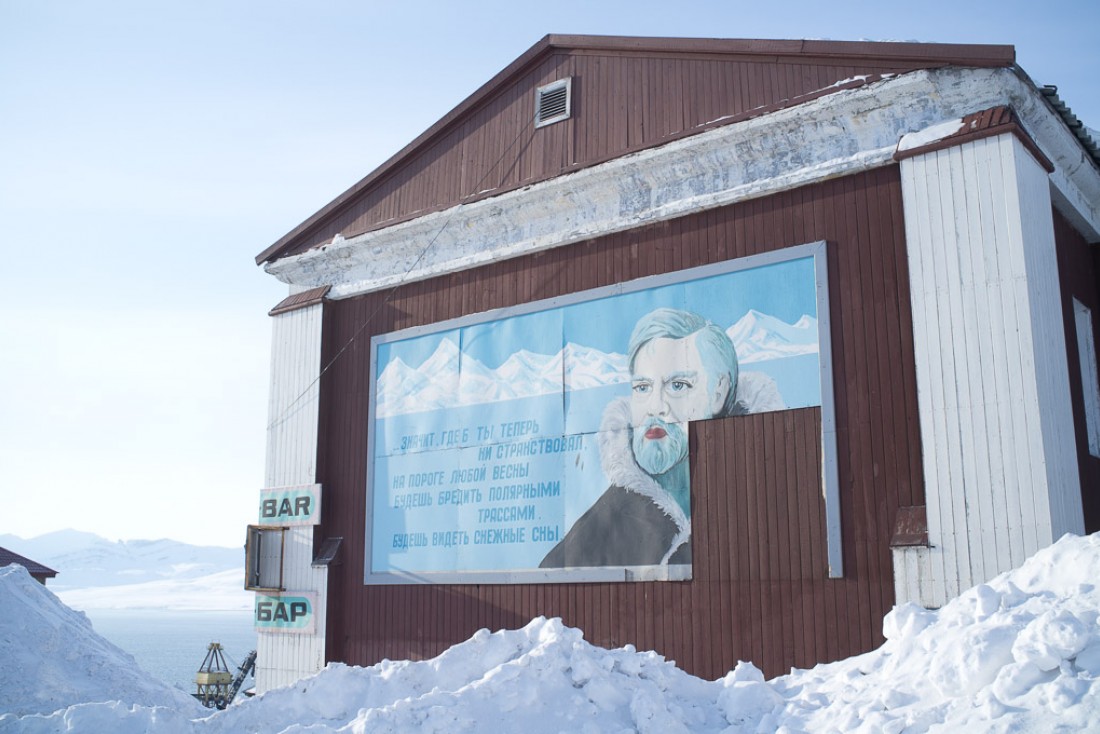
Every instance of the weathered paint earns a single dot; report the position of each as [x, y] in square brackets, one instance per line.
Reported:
[632, 93]
[854, 130]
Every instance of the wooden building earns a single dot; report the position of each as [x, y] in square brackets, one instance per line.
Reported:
[950, 206]
[37, 571]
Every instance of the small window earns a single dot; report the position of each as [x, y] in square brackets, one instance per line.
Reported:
[263, 556]
[553, 102]
[1086, 351]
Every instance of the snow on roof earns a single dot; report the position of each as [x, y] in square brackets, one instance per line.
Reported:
[1021, 653]
[8, 558]
[930, 134]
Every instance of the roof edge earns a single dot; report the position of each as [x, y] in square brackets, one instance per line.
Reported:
[948, 53]
[980, 55]
[979, 125]
[9, 557]
[526, 58]
[304, 299]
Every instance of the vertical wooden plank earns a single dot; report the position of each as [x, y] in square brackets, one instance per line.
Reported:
[967, 340]
[898, 326]
[929, 378]
[882, 480]
[856, 373]
[726, 575]
[991, 461]
[947, 278]
[787, 541]
[1013, 429]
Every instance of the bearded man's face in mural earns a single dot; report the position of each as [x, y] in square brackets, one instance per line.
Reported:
[670, 385]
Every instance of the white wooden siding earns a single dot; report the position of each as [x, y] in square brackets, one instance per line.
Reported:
[1052, 359]
[992, 382]
[283, 657]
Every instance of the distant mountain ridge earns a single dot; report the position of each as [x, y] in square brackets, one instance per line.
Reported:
[86, 560]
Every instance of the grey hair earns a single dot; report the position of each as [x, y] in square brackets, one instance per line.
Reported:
[715, 348]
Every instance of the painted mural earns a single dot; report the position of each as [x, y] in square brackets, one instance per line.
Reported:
[553, 444]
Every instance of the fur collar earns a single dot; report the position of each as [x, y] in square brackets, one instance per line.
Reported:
[621, 469]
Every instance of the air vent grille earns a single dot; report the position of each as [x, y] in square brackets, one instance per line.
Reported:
[552, 102]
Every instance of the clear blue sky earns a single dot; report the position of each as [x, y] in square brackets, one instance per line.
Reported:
[149, 150]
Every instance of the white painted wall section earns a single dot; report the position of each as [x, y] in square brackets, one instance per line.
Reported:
[1051, 356]
[992, 377]
[284, 657]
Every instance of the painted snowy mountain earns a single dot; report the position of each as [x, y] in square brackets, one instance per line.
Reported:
[758, 337]
[449, 378]
[587, 368]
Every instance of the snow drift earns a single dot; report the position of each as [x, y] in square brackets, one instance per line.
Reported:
[52, 658]
[1021, 653]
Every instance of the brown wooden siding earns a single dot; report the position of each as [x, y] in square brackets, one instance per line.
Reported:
[622, 102]
[1078, 272]
[760, 590]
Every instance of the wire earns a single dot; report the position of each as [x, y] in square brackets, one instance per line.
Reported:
[404, 277]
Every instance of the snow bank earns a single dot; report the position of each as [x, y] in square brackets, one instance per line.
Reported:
[542, 678]
[52, 658]
[1021, 653]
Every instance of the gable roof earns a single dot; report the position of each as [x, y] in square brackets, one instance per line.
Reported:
[8, 558]
[861, 57]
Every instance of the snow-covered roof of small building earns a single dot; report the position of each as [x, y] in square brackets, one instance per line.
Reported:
[36, 569]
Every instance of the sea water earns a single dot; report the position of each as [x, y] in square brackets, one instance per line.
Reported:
[171, 646]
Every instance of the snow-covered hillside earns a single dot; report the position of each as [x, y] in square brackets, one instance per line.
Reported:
[217, 592]
[52, 658]
[95, 573]
[1019, 654]
[85, 560]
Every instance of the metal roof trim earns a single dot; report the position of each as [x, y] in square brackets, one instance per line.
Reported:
[978, 125]
[310, 297]
[1078, 128]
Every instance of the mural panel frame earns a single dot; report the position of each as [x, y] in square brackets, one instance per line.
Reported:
[816, 252]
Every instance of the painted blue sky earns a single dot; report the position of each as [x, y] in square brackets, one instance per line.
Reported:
[151, 149]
